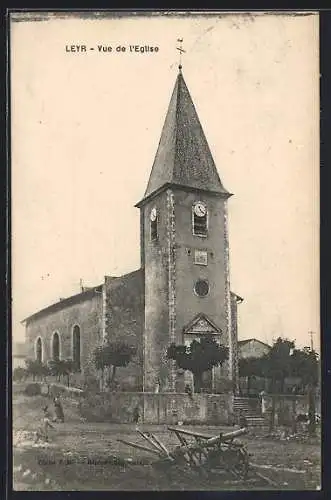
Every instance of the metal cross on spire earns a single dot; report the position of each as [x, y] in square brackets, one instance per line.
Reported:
[181, 51]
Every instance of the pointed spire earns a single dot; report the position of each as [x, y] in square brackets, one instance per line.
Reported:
[183, 156]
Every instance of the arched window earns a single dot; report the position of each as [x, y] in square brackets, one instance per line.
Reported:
[153, 223]
[56, 346]
[76, 346]
[199, 219]
[39, 350]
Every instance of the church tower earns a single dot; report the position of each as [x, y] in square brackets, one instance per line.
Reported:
[184, 247]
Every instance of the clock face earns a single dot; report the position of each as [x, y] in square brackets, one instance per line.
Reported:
[200, 209]
[153, 214]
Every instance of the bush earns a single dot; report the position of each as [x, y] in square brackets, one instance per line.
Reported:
[19, 374]
[32, 390]
[91, 384]
[36, 369]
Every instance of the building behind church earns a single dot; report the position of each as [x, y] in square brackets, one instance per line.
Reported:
[181, 291]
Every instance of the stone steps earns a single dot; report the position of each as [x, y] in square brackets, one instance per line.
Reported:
[255, 421]
[248, 412]
[253, 417]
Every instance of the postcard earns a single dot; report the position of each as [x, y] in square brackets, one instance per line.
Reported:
[165, 250]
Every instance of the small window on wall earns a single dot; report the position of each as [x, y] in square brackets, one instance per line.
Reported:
[201, 257]
[199, 219]
[153, 223]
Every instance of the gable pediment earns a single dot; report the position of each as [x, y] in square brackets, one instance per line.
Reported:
[201, 325]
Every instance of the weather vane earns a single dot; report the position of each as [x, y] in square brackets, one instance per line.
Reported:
[181, 51]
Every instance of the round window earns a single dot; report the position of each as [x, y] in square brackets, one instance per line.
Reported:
[201, 288]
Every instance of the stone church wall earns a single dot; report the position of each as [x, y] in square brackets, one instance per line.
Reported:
[125, 322]
[170, 276]
[234, 334]
[86, 313]
[188, 304]
[157, 320]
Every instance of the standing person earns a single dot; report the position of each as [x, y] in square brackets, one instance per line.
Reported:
[295, 389]
[263, 402]
[42, 432]
[242, 419]
[59, 415]
[188, 391]
[136, 415]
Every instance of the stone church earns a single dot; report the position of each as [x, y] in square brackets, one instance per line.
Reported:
[182, 289]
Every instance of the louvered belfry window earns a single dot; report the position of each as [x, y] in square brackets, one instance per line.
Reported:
[200, 225]
[153, 224]
[154, 230]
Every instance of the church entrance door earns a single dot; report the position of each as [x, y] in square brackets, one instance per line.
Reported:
[207, 381]
[199, 327]
[205, 384]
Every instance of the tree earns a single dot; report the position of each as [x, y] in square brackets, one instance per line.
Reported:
[198, 357]
[250, 367]
[36, 369]
[54, 368]
[113, 355]
[68, 367]
[61, 368]
[277, 363]
[305, 364]
[284, 360]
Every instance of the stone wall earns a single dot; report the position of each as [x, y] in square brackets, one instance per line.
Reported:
[159, 408]
[287, 405]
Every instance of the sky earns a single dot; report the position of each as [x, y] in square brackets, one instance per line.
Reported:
[85, 129]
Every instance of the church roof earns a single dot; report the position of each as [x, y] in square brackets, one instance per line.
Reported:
[183, 156]
[65, 302]
[126, 280]
[237, 297]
